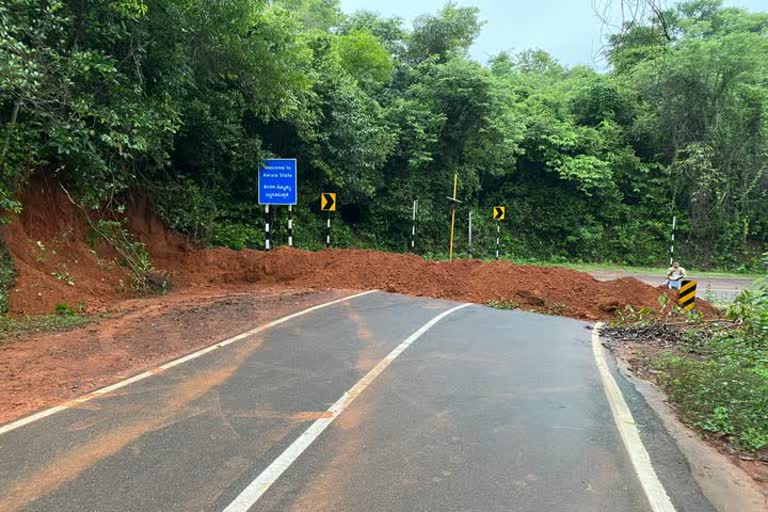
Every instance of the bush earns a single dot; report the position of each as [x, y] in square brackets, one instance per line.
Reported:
[238, 236]
[721, 395]
[64, 310]
[751, 306]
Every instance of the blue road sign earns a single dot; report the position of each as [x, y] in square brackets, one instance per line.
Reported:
[277, 181]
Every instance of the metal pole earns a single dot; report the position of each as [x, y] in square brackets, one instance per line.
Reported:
[290, 226]
[469, 246]
[413, 226]
[498, 237]
[453, 215]
[672, 242]
[328, 231]
[267, 245]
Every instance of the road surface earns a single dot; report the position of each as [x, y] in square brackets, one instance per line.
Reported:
[721, 289]
[378, 403]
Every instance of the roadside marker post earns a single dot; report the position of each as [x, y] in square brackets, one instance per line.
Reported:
[290, 226]
[469, 237]
[266, 228]
[672, 242]
[413, 225]
[499, 214]
[277, 187]
[328, 204]
[687, 295]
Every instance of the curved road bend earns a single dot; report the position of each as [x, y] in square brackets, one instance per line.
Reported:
[483, 410]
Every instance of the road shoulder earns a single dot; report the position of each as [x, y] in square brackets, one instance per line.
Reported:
[46, 369]
[670, 443]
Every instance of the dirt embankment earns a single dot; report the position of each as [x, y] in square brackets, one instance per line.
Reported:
[56, 264]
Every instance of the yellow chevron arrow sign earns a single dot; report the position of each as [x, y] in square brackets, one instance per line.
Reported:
[328, 202]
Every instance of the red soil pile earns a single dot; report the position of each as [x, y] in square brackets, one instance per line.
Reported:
[96, 279]
[545, 289]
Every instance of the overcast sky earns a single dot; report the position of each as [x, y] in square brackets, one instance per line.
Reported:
[568, 29]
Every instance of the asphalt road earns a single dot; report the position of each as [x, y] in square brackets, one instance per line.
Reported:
[723, 289]
[483, 410]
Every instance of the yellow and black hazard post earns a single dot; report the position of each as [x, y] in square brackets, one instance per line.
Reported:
[686, 297]
[328, 204]
[499, 213]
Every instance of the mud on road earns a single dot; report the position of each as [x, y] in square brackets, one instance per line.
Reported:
[46, 369]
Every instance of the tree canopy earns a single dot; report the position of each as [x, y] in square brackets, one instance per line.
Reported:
[183, 98]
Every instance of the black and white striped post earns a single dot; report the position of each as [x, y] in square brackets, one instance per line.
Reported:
[290, 226]
[469, 235]
[267, 241]
[413, 225]
[498, 238]
[328, 231]
[672, 241]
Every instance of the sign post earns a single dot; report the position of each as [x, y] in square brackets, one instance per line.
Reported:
[672, 242]
[277, 186]
[290, 225]
[499, 214]
[469, 236]
[413, 225]
[266, 228]
[328, 204]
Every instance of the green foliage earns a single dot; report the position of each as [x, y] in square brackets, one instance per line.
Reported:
[133, 254]
[7, 276]
[725, 394]
[751, 307]
[723, 387]
[238, 236]
[449, 33]
[631, 316]
[64, 309]
[183, 99]
[13, 327]
[363, 57]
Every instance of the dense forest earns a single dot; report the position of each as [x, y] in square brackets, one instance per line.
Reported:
[181, 100]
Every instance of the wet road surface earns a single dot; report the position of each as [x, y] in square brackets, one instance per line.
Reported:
[484, 410]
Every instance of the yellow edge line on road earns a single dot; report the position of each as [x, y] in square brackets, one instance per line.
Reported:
[625, 423]
[149, 373]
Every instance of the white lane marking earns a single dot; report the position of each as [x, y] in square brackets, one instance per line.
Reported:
[194, 355]
[256, 489]
[625, 423]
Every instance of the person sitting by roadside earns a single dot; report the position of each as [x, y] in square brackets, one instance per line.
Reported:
[675, 276]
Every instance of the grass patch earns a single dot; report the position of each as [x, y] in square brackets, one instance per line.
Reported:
[719, 383]
[12, 327]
